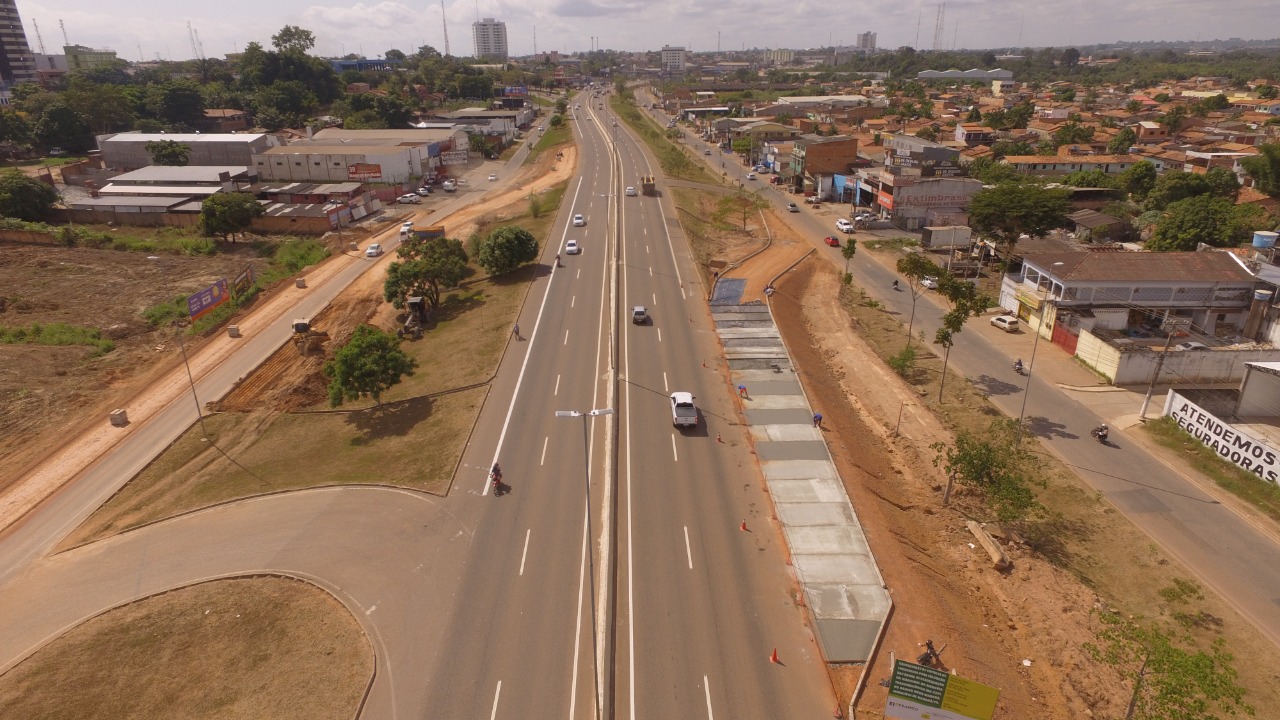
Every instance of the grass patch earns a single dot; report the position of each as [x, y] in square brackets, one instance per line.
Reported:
[553, 137]
[676, 160]
[57, 334]
[50, 161]
[893, 244]
[278, 649]
[1259, 493]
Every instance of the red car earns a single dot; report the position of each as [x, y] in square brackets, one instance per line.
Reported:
[831, 241]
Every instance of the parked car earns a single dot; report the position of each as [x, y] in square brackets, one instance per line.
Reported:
[571, 248]
[929, 282]
[707, 151]
[374, 250]
[792, 207]
[579, 221]
[410, 199]
[1191, 345]
[1007, 323]
[751, 176]
[424, 191]
[831, 241]
[844, 225]
[639, 315]
[631, 192]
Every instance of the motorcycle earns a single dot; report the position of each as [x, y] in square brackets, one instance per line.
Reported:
[1019, 368]
[495, 478]
[896, 286]
[1100, 433]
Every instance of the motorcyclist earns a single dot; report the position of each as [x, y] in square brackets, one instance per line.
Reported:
[557, 259]
[1017, 366]
[895, 284]
[496, 472]
[1100, 432]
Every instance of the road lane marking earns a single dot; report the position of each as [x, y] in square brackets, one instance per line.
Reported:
[688, 553]
[650, 271]
[655, 299]
[557, 390]
[579, 273]
[665, 387]
[646, 249]
[525, 554]
[674, 453]
[573, 299]
[659, 334]
[543, 461]
[706, 686]
[566, 337]
[497, 694]
[577, 633]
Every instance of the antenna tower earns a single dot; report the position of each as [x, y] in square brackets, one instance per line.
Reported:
[195, 44]
[445, 23]
[937, 30]
[535, 40]
[39, 39]
[64, 32]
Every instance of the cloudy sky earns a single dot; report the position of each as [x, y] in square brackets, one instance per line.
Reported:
[148, 29]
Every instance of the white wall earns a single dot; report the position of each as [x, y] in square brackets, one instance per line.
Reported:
[1259, 395]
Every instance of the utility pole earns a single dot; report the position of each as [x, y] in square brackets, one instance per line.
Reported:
[1170, 327]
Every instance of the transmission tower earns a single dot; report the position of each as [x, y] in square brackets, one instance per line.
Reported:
[444, 22]
[937, 30]
[64, 32]
[39, 40]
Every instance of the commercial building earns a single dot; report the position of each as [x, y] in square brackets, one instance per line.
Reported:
[80, 57]
[490, 39]
[335, 155]
[867, 41]
[17, 65]
[128, 151]
[673, 60]
[779, 57]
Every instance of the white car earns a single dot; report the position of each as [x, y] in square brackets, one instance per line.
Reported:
[1006, 323]
[631, 192]
[410, 199]
[844, 225]
[579, 221]
[406, 228]
[492, 177]
[424, 191]
[571, 248]
[374, 250]
[929, 282]
[751, 176]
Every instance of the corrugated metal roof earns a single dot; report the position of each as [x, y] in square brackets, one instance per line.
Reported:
[1154, 266]
[186, 173]
[175, 190]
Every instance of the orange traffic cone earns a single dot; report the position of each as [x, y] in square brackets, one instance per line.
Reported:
[774, 657]
[743, 526]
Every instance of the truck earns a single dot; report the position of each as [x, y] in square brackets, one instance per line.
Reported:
[684, 414]
[647, 185]
[434, 232]
[947, 236]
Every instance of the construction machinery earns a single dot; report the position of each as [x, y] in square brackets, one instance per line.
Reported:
[306, 339]
[647, 185]
[416, 315]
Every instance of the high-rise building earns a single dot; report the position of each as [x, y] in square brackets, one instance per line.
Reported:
[80, 57]
[673, 60]
[17, 64]
[490, 37]
[779, 57]
[867, 41]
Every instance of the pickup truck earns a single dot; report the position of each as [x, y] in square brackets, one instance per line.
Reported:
[684, 414]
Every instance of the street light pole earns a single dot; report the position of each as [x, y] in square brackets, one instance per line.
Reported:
[1044, 311]
[586, 453]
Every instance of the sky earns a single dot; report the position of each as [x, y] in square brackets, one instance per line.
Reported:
[147, 29]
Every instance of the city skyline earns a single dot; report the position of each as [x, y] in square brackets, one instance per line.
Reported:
[139, 30]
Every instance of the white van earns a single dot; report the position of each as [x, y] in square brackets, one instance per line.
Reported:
[449, 185]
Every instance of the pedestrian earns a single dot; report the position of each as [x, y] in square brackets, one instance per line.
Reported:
[817, 419]
[742, 391]
[516, 331]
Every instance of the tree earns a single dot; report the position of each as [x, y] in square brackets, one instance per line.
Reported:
[60, 125]
[927, 133]
[178, 103]
[1123, 140]
[1090, 179]
[369, 364]
[1009, 210]
[848, 250]
[226, 214]
[1132, 107]
[25, 198]
[1139, 179]
[1194, 220]
[1070, 57]
[740, 205]
[293, 39]
[1267, 92]
[14, 128]
[996, 464]
[394, 54]
[505, 249]
[1174, 186]
[1264, 168]
[1168, 680]
[168, 152]
[966, 302]
[1174, 119]
[916, 267]
[428, 266]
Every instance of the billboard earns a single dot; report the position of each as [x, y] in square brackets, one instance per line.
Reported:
[243, 281]
[917, 692]
[364, 171]
[207, 299]
[1230, 442]
[454, 157]
[515, 91]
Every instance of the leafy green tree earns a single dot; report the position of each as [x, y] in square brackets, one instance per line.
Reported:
[178, 103]
[25, 198]
[369, 364]
[168, 152]
[1123, 140]
[1174, 186]
[992, 172]
[14, 128]
[1132, 107]
[1091, 179]
[848, 250]
[556, 120]
[740, 205]
[1267, 92]
[562, 106]
[1264, 167]
[1161, 98]
[1004, 148]
[148, 125]
[427, 268]
[966, 302]
[1174, 119]
[915, 266]
[1169, 681]
[394, 54]
[108, 108]
[1139, 179]
[996, 464]
[1071, 133]
[505, 249]
[1198, 219]
[1009, 210]
[927, 133]
[226, 214]
[293, 39]
[60, 125]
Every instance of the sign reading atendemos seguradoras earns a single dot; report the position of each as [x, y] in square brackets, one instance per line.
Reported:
[1227, 440]
[917, 692]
